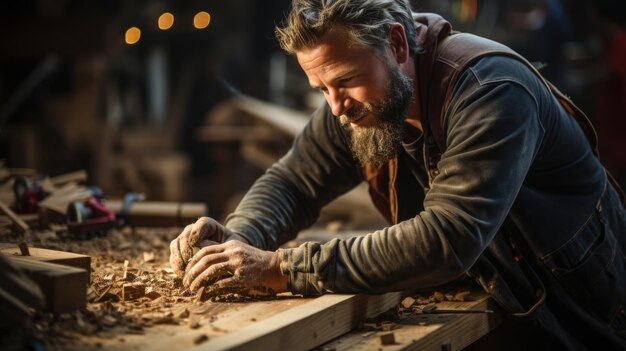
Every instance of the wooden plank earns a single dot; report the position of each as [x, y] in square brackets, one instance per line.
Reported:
[428, 332]
[52, 256]
[306, 326]
[79, 176]
[216, 319]
[18, 223]
[64, 288]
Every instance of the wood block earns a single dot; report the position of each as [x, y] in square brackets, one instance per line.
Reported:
[387, 339]
[408, 302]
[52, 256]
[64, 288]
[133, 291]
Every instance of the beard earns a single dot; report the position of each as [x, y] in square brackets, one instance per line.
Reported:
[377, 144]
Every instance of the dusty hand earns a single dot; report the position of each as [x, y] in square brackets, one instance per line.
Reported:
[204, 229]
[235, 266]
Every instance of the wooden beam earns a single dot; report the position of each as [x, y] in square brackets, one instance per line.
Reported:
[159, 214]
[287, 120]
[51, 256]
[306, 326]
[64, 288]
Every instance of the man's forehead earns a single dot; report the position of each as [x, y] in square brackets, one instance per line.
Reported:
[334, 46]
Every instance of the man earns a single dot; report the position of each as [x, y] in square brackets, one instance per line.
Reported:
[503, 185]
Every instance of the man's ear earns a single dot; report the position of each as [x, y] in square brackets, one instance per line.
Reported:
[398, 43]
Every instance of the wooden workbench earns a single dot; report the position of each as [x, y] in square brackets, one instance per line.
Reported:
[328, 322]
[416, 331]
[178, 321]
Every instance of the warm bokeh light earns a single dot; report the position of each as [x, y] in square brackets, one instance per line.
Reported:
[201, 20]
[468, 10]
[166, 20]
[132, 35]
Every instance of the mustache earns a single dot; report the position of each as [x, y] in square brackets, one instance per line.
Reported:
[357, 112]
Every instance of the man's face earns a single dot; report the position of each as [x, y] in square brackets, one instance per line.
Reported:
[370, 96]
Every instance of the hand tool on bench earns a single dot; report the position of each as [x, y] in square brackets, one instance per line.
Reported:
[90, 217]
[95, 215]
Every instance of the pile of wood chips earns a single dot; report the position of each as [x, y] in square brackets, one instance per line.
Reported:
[132, 285]
[460, 290]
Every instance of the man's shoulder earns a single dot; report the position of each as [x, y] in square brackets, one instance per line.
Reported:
[501, 68]
[487, 60]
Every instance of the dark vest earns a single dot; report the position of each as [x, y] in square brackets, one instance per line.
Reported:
[439, 68]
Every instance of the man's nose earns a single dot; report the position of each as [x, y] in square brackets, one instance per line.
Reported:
[339, 102]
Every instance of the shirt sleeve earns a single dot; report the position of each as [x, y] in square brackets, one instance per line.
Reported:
[493, 134]
[289, 196]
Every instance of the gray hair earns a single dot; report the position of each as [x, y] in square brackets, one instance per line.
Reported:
[367, 22]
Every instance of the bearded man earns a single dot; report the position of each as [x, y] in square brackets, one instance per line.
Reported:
[480, 166]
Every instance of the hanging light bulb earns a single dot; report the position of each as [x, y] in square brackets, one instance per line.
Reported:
[166, 21]
[201, 20]
[133, 34]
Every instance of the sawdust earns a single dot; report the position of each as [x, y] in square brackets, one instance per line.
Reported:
[135, 261]
[460, 290]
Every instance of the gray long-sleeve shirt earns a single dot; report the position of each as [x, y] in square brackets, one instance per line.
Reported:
[512, 150]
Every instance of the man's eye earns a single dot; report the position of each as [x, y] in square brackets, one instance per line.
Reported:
[346, 80]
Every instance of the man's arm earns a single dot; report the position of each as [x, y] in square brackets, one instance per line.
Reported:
[318, 168]
[289, 196]
[493, 135]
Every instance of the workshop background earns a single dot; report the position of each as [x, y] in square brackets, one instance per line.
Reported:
[146, 95]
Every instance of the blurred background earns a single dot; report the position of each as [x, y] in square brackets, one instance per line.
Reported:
[190, 100]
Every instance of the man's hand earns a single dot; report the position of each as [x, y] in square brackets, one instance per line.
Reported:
[204, 229]
[235, 266]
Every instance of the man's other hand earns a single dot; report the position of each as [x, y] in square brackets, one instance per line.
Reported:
[235, 266]
[204, 229]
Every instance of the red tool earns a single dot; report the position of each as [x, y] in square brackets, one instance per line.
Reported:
[90, 217]
[28, 194]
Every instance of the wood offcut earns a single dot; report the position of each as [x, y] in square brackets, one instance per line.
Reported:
[64, 288]
[51, 256]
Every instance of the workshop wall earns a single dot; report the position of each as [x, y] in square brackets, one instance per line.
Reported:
[120, 88]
